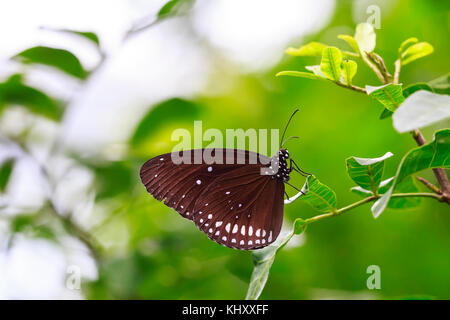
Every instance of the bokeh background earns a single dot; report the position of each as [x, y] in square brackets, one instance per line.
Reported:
[74, 200]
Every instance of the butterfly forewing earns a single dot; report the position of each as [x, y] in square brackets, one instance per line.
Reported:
[231, 202]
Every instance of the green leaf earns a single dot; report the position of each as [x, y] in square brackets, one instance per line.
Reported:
[416, 51]
[6, 167]
[316, 70]
[53, 57]
[386, 113]
[171, 112]
[91, 36]
[367, 172]
[264, 258]
[384, 186]
[331, 63]
[349, 68]
[409, 90]
[310, 49]
[431, 155]
[441, 85]
[408, 185]
[318, 195]
[421, 109]
[299, 74]
[365, 37]
[351, 41]
[174, 8]
[15, 92]
[406, 44]
[390, 95]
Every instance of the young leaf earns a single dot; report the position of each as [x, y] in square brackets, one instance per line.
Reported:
[416, 51]
[91, 36]
[409, 90]
[299, 74]
[349, 68]
[331, 63]
[351, 41]
[53, 57]
[15, 92]
[367, 172]
[309, 49]
[365, 37]
[390, 95]
[318, 195]
[5, 172]
[421, 109]
[441, 85]
[262, 261]
[316, 70]
[407, 43]
[431, 155]
[174, 8]
[386, 113]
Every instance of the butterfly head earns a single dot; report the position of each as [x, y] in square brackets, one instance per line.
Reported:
[283, 170]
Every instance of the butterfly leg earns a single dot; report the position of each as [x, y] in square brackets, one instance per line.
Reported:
[303, 173]
[294, 187]
[287, 196]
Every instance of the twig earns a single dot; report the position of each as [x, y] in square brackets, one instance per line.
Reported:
[374, 68]
[370, 199]
[429, 185]
[352, 87]
[398, 66]
[440, 174]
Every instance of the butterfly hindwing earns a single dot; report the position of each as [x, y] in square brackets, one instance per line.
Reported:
[242, 210]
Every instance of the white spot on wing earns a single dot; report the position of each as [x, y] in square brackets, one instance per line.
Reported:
[243, 230]
[199, 182]
[209, 169]
[250, 242]
[250, 230]
[227, 227]
[233, 240]
[235, 228]
[258, 232]
[218, 223]
[242, 242]
[224, 238]
[209, 216]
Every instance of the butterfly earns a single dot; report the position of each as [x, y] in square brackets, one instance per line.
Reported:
[234, 196]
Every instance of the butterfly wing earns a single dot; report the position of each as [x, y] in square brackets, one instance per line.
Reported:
[233, 203]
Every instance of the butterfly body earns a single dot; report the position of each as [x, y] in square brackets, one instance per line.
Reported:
[234, 196]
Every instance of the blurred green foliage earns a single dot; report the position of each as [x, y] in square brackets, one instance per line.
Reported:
[150, 252]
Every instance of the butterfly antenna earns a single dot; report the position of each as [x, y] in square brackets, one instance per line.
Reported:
[287, 139]
[287, 125]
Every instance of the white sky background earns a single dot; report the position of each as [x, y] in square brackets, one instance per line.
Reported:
[154, 65]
